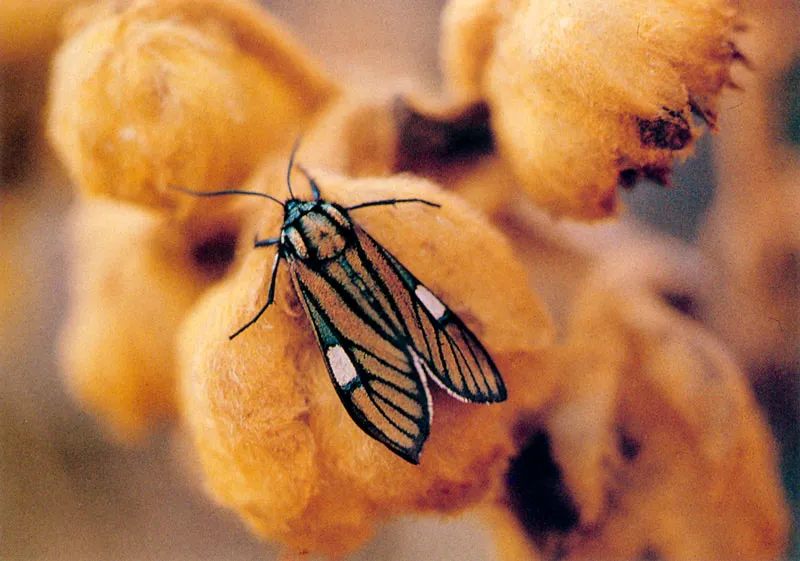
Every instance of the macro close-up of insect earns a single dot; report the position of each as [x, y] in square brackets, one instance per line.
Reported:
[381, 332]
[517, 304]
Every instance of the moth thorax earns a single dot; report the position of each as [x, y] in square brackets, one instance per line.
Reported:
[323, 235]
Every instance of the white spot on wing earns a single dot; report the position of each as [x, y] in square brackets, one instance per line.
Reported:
[341, 365]
[431, 302]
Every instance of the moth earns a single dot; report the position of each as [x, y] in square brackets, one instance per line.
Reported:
[382, 333]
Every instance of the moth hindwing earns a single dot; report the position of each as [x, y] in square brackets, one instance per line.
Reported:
[382, 333]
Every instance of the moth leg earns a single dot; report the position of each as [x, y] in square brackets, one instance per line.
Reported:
[266, 243]
[270, 295]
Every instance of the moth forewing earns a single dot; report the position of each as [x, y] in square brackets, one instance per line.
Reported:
[376, 381]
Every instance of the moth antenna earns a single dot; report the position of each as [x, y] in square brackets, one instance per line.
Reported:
[314, 187]
[295, 148]
[224, 192]
[386, 202]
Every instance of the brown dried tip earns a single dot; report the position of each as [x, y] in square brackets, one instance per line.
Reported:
[671, 131]
[576, 88]
[273, 437]
[150, 94]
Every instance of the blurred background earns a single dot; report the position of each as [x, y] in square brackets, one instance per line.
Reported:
[68, 493]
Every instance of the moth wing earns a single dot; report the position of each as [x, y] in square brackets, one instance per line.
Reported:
[453, 356]
[380, 382]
